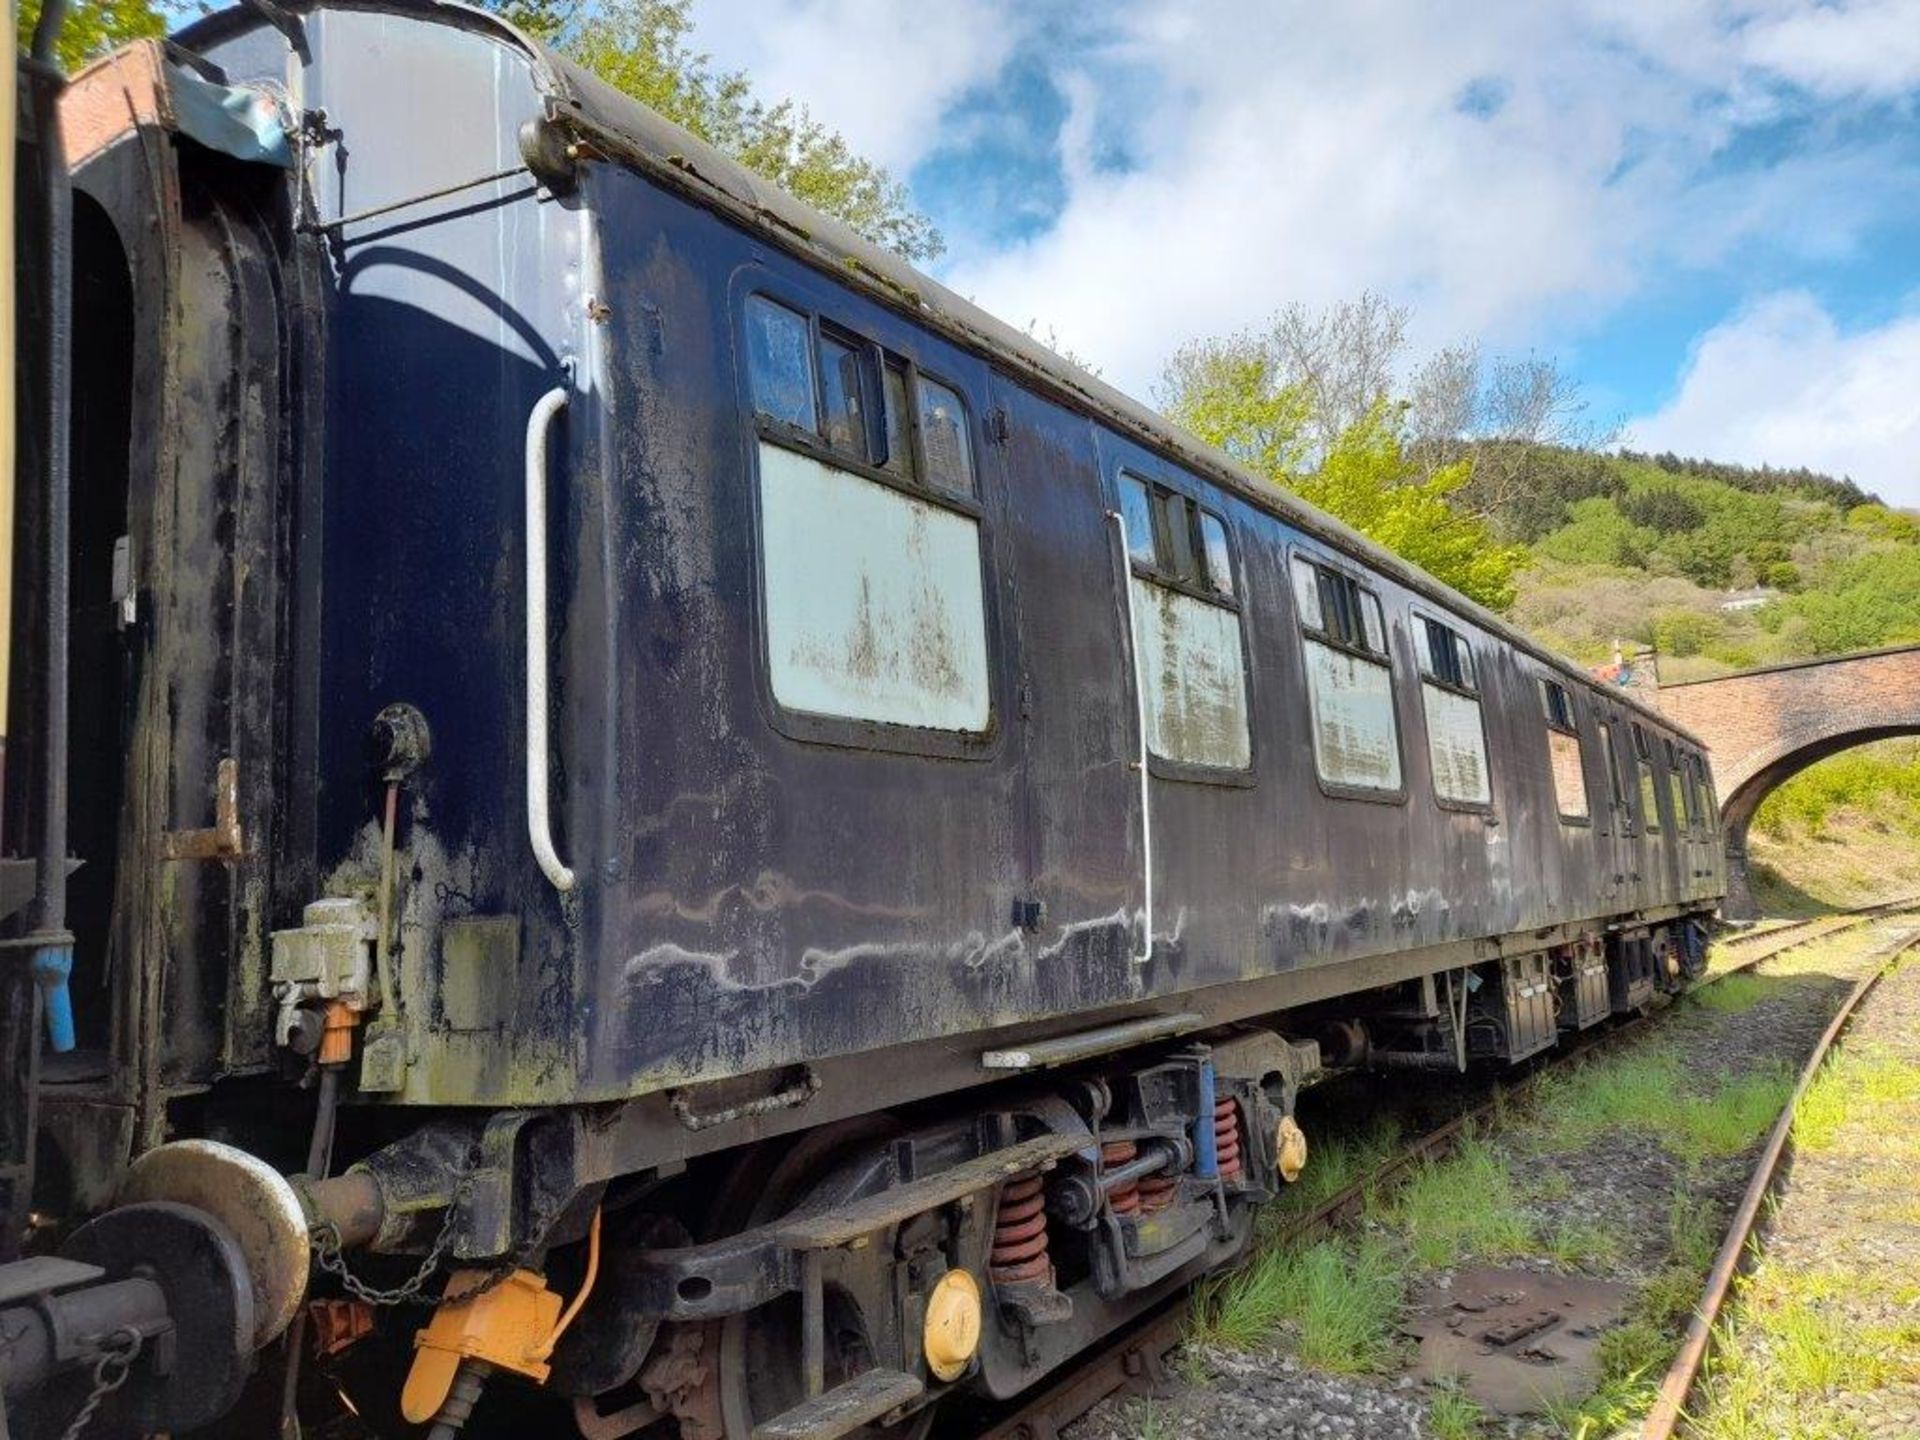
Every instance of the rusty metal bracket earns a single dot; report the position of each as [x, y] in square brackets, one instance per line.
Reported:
[789, 1098]
[226, 840]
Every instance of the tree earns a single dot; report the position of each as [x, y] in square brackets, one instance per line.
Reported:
[643, 47]
[1281, 403]
[92, 28]
[1513, 414]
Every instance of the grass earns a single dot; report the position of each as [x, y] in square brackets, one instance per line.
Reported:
[1866, 1078]
[1732, 994]
[1452, 1414]
[1650, 1092]
[1335, 1164]
[1464, 1207]
[1337, 1298]
[1797, 1339]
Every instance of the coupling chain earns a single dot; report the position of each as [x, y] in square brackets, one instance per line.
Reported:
[325, 1239]
[110, 1370]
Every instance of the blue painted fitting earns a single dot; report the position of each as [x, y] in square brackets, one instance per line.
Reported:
[52, 966]
[1206, 1154]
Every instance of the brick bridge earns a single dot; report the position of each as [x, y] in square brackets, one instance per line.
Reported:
[1763, 726]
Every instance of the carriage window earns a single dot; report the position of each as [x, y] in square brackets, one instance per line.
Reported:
[780, 360]
[1677, 790]
[1136, 512]
[1616, 787]
[841, 402]
[1456, 739]
[1564, 755]
[1649, 785]
[1219, 561]
[874, 592]
[1186, 629]
[1356, 739]
[874, 600]
[899, 421]
[943, 436]
[1709, 805]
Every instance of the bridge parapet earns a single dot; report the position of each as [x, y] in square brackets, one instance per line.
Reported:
[1763, 726]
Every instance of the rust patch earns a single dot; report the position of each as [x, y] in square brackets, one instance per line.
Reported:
[1519, 1342]
[226, 840]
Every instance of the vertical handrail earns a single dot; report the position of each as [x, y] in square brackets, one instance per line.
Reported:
[1140, 731]
[539, 818]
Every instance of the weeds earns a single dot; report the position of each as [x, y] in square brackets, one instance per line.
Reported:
[1465, 1207]
[1452, 1414]
[1649, 1092]
[1338, 1298]
[1732, 994]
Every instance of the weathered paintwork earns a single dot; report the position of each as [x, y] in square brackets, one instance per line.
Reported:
[760, 884]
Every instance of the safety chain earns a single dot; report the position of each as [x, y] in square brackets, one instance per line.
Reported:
[110, 1370]
[325, 1239]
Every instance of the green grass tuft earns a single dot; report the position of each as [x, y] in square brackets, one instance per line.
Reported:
[1732, 994]
[1651, 1092]
[1338, 1299]
[1464, 1207]
[1452, 1414]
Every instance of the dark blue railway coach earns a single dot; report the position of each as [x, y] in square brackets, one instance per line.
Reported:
[793, 844]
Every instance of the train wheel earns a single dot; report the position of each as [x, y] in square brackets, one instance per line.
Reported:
[760, 1372]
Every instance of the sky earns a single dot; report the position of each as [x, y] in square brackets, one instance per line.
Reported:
[1708, 211]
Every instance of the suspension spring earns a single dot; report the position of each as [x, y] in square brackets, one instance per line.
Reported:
[1226, 1137]
[1020, 1234]
[1157, 1191]
[1125, 1199]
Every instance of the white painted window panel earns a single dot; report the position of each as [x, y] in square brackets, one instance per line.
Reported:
[1569, 774]
[1355, 739]
[874, 602]
[1457, 744]
[1194, 677]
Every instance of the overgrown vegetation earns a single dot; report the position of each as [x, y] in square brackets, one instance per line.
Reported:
[1843, 832]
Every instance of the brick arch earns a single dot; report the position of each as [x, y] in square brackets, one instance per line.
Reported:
[1764, 726]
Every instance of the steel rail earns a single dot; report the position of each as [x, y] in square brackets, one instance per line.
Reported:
[1137, 1352]
[1669, 1406]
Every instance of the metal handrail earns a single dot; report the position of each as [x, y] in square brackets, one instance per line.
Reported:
[539, 818]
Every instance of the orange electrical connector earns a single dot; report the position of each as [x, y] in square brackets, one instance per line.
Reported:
[509, 1326]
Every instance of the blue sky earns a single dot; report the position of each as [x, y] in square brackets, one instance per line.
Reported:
[1707, 210]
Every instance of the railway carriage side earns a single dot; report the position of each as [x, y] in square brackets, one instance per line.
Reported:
[746, 774]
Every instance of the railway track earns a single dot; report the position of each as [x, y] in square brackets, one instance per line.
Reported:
[1136, 1358]
[1669, 1408]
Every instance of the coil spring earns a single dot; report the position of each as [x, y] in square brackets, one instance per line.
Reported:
[1126, 1199]
[1020, 1233]
[1226, 1138]
[1158, 1191]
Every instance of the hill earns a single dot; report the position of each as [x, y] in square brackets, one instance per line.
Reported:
[1717, 567]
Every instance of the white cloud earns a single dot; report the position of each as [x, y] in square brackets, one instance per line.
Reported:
[1517, 172]
[1780, 383]
[1869, 47]
[879, 72]
[1304, 151]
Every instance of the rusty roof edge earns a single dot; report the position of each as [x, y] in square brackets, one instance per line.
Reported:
[692, 167]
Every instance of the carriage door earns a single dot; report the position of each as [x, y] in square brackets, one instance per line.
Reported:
[1073, 703]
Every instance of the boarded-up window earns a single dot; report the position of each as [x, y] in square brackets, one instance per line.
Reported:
[874, 602]
[1186, 628]
[1355, 741]
[1356, 738]
[1449, 696]
[1192, 677]
[1564, 757]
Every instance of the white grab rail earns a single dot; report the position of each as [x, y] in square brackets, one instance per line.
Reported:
[1140, 729]
[539, 820]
